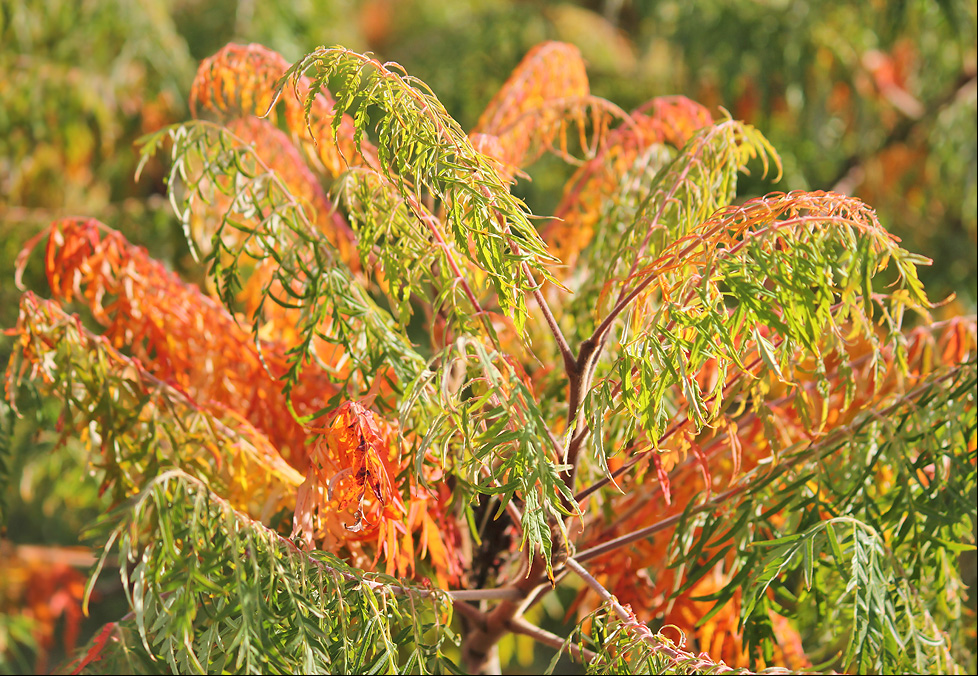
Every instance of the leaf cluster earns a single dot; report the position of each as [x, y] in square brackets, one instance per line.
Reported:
[730, 424]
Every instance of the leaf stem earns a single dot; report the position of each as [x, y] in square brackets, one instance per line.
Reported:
[658, 644]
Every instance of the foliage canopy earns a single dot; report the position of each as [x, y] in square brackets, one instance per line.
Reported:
[404, 408]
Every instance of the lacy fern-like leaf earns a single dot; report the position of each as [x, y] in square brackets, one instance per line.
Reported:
[422, 151]
[273, 149]
[404, 246]
[305, 273]
[241, 81]
[180, 334]
[357, 492]
[212, 590]
[726, 292]
[136, 423]
[848, 470]
[701, 181]
[507, 449]
[611, 186]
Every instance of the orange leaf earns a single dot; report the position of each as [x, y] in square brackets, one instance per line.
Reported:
[241, 80]
[180, 335]
[522, 112]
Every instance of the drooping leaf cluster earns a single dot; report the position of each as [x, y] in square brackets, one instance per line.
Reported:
[211, 589]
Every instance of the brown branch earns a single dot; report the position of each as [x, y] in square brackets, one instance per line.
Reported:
[478, 645]
[642, 533]
[520, 626]
[579, 372]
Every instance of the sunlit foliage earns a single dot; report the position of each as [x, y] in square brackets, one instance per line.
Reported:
[404, 408]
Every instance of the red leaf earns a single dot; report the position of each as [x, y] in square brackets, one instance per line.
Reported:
[94, 653]
[663, 477]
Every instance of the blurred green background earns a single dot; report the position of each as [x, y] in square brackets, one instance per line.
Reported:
[874, 98]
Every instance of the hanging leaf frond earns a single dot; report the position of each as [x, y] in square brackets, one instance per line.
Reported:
[274, 151]
[506, 449]
[544, 98]
[847, 469]
[179, 334]
[728, 292]
[357, 493]
[239, 597]
[423, 152]
[241, 81]
[136, 423]
[610, 187]
[699, 182]
[266, 227]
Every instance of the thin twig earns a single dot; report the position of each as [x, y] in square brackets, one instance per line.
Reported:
[565, 350]
[497, 594]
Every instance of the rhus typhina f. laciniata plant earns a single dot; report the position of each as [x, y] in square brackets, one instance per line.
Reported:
[406, 418]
